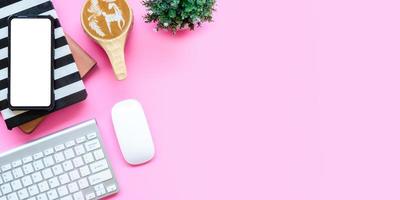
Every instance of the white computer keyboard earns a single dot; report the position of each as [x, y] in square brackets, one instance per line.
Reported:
[68, 165]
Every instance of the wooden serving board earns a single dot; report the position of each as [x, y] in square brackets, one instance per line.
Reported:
[84, 63]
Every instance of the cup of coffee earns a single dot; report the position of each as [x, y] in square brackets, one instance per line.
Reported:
[108, 23]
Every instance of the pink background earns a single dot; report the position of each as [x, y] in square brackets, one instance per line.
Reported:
[282, 100]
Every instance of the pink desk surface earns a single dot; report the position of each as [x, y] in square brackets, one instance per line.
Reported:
[280, 100]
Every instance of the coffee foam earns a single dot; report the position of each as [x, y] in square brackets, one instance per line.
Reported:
[106, 19]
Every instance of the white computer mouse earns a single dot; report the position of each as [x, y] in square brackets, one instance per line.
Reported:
[133, 133]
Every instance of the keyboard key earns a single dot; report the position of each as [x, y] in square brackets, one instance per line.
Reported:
[48, 161]
[78, 196]
[100, 190]
[18, 172]
[38, 155]
[53, 182]
[43, 186]
[52, 194]
[47, 173]
[91, 135]
[38, 165]
[37, 177]
[100, 177]
[59, 147]
[70, 143]
[1, 181]
[28, 168]
[69, 197]
[5, 167]
[16, 185]
[78, 161]
[98, 166]
[17, 163]
[48, 151]
[23, 194]
[88, 158]
[26, 181]
[33, 190]
[7, 176]
[83, 183]
[57, 169]
[73, 187]
[80, 139]
[98, 154]
[90, 196]
[27, 159]
[62, 191]
[92, 145]
[84, 170]
[79, 150]
[12, 196]
[111, 188]
[6, 188]
[67, 165]
[59, 157]
[42, 197]
[64, 178]
[69, 153]
[74, 175]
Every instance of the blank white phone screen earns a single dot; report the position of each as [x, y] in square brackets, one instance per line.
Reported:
[30, 64]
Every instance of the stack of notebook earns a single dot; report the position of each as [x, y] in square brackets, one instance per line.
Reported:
[68, 86]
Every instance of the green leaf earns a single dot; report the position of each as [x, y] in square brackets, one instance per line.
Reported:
[172, 13]
[201, 2]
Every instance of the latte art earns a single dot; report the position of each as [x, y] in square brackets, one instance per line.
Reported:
[105, 18]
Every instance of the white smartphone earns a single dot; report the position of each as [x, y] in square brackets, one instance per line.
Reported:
[31, 70]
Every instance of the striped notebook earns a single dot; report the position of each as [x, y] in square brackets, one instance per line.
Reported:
[68, 86]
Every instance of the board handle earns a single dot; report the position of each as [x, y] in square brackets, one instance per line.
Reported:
[116, 54]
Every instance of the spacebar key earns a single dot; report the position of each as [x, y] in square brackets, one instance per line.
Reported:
[100, 177]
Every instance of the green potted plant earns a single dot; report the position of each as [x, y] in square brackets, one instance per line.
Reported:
[174, 15]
